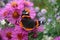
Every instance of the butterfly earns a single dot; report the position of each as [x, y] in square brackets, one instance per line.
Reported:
[27, 23]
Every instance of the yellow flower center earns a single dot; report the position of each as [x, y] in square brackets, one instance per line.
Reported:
[15, 15]
[20, 36]
[14, 4]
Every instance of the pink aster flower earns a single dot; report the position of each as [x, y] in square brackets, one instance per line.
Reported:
[6, 33]
[15, 4]
[19, 34]
[28, 3]
[11, 15]
[1, 15]
[12, 11]
[40, 28]
[57, 38]
[14, 16]
[32, 13]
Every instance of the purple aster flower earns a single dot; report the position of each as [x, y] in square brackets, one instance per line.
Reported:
[19, 34]
[42, 18]
[37, 9]
[57, 38]
[43, 11]
[39, 14]
[49, 20]
[6, 33]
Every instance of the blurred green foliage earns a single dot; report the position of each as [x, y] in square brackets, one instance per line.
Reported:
[53, 31]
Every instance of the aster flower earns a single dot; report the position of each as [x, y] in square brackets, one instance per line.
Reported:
[57, 38]
[40, 28]
[37, 9]
[19, 34]
[6, 33]
[15, 4]
[12, 11]
[49, 20]
[10, 16]
[42, 18]
[1, 14]
[39, 14]
[15, 16]
[43, 11]
[28, 3]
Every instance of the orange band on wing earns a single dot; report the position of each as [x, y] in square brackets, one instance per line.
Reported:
[37, 24]
[28, 29]
[21, 25]
[25, 16]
